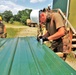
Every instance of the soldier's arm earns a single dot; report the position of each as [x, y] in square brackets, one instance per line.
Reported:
[58, 34]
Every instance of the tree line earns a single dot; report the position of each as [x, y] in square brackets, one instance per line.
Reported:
[21, 16]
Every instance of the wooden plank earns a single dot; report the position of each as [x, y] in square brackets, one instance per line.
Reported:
[73, 40]
[74, 53]
[73, 45]
[60, 54]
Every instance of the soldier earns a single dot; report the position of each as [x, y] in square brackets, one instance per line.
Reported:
[55, 31]
[3, 33]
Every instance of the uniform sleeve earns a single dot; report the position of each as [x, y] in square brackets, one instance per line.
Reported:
[58, 20]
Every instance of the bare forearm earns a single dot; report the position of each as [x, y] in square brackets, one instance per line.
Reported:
[58, 34]
[54, 36]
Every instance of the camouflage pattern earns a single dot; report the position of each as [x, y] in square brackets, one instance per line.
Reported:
[4, 35]
[67, 41]
[63, 44]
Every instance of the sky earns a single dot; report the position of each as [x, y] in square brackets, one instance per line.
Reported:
[16, 5]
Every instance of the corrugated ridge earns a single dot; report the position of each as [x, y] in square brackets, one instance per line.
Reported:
[8, 55]
[20, 65]
[31, 43]
[26, 56]
[2, 41]
[55, 63]
[36, 54]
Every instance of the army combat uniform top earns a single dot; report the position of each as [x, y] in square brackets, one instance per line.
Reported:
[1, 29]
[52, 27]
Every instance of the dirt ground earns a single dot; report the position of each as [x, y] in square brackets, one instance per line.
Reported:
[71, 60]
[28, 31]
[32, 31]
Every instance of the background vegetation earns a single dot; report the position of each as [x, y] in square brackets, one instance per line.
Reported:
[12, 32]
[11, 21]
[21, 16]
[13, 29]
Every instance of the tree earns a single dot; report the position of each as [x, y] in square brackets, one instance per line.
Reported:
[16, 18]
[7, 15]
[0, 14]
[23, 18]
[23, 15]
[11, 20]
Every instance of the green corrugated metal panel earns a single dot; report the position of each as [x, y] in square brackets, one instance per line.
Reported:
[26, 56]
[62, 4]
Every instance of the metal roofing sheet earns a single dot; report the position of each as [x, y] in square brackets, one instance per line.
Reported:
[26, 56]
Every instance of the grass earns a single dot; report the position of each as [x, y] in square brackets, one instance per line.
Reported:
[12, 32]
[13, 29]
[14, 24]
[71, 58]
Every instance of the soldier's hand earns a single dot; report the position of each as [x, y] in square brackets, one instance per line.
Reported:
[45, 39]
[40, 37]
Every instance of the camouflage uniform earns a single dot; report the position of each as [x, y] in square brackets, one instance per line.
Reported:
[52, 27]
[2, 30]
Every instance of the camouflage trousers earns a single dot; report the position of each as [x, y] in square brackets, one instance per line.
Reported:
[57, 46]
[62, 45]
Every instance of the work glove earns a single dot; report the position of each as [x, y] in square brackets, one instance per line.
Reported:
[40, 37]
[43, 38]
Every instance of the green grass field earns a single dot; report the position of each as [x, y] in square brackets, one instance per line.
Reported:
[72, 13]
[14, 24]
[12, 32]
[13, 29]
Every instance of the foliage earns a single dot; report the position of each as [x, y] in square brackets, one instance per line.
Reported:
[16, 18]
[22, 19]
[21, 16]
[7, 15]
[0, 14]
[11, 21]
[15, 23]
